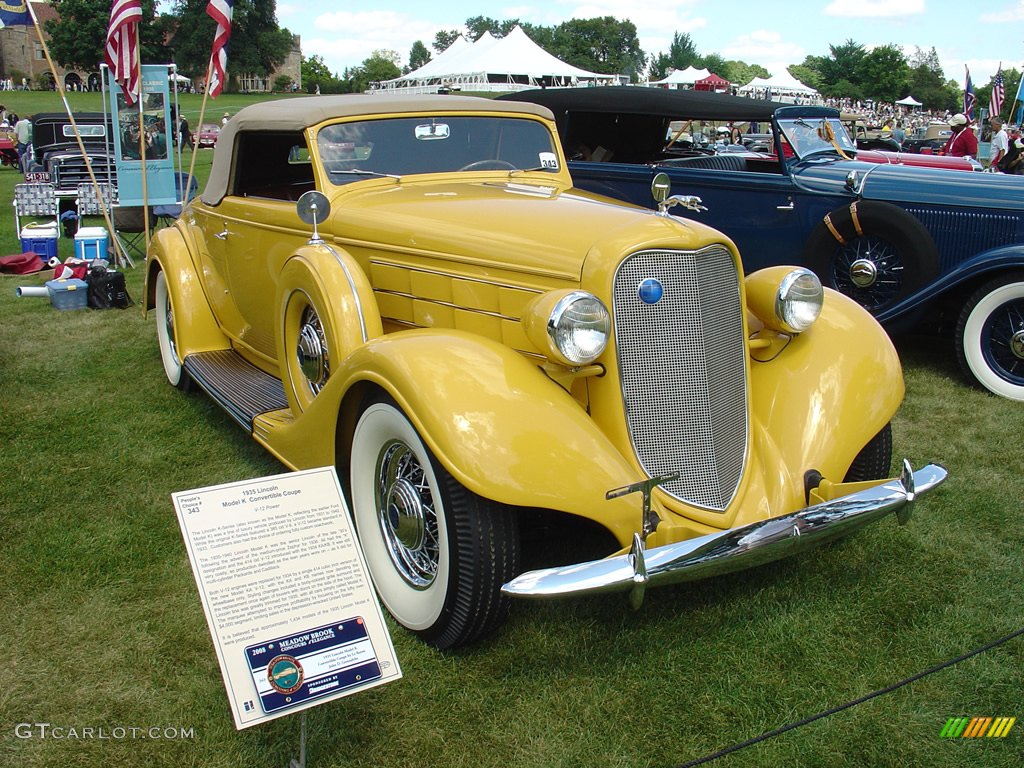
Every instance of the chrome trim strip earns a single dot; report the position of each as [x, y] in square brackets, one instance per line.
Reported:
[448, 304]
[451, 276]
[352, 286]
[717, 553]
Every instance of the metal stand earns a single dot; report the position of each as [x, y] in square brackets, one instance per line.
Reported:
[301, 762]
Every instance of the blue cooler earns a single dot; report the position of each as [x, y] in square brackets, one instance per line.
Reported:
[91, 243]
[41, 239]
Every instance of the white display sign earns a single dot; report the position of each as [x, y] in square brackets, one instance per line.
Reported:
[287, 596]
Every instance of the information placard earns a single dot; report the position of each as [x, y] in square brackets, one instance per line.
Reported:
[286, 593]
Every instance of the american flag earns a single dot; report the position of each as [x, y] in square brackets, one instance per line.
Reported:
[123, 46]
[220, 11]
[968, 96]
[998, 94]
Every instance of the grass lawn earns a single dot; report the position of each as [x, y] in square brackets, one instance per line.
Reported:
[103, 626]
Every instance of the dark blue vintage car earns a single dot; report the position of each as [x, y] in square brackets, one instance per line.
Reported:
[914, 245]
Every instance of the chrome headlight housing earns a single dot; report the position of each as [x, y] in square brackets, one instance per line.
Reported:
[798, 300]
[570, 327]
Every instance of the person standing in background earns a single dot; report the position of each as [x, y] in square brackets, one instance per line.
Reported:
[1000, 144]
[23, 139]
[963, 142]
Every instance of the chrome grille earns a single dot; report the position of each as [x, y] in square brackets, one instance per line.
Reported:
[682, 366]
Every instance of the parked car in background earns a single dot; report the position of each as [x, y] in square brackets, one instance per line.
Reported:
[206, 136]
[928, 139]
[412, 290]
[916, 246]
[57, 156]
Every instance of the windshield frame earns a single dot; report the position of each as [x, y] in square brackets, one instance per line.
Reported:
[811, 136]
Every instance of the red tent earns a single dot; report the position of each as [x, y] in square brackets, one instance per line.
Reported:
[712, 83]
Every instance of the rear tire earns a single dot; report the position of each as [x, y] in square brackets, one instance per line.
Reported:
[990, 336]
[438, 553]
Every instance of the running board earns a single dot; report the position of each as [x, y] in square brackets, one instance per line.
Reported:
[236, 385]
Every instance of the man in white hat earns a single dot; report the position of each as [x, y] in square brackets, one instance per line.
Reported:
[963, 142]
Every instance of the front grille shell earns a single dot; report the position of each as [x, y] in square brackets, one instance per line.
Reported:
[682, 368]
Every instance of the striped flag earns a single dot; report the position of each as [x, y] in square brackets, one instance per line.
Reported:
[968, 96]
[995, 105]
[14, 14]
[220, 11]
[123, 46]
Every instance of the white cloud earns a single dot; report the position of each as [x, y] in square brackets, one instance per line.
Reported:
[765, 48]
[874, 8]
[1007, 15]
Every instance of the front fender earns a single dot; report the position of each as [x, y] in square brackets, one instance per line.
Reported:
[195, 325]
[501, 427]
[829, 390]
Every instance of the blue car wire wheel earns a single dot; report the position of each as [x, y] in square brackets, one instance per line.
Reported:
[990, 336]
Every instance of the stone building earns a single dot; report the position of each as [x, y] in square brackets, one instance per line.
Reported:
[21, 56]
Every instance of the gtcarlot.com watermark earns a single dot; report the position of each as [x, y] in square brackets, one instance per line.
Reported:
[102, 732]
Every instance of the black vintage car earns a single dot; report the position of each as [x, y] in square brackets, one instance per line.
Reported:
[55, 150]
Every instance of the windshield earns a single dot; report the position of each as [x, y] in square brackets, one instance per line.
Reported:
[808, 136]
[409, 145]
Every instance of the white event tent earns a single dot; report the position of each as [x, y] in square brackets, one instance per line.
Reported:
[678, 77]
[783, 87]
[510, 63]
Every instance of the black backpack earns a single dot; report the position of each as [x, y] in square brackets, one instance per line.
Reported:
[107, 289]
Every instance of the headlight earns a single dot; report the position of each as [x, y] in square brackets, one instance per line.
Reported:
[571, 327]
[798, 300]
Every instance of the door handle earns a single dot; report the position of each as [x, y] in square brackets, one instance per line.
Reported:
[223, 234]
[788, 207]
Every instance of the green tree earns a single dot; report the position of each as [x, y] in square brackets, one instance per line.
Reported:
[258, 45]
[714, 63]
[418, 56]
[884, 73]
[444, 38]
[78, 37]
[604, 45]
[682, 53]
[926, 82]
[477, 25]
[381, 65]
[315, 73]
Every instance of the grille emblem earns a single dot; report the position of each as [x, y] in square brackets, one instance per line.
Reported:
[650, 291]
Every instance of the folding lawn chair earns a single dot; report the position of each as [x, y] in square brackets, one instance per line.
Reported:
[166, 214]
[36, 199]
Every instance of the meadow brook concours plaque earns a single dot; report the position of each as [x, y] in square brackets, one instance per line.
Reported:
[286, 593]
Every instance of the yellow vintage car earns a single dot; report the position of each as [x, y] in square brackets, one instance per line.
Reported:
[411, 290]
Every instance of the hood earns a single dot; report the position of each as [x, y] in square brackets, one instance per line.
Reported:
[482, 224]
[914, 185]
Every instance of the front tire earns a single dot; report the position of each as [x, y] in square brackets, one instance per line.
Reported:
[166, 335]
[874, 459]
[990, 336]
[438, 553]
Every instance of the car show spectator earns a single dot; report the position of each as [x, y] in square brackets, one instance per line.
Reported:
[1000, 144]
[23, 139]
[963, 142]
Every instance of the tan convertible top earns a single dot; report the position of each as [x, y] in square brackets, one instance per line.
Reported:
[297, 114]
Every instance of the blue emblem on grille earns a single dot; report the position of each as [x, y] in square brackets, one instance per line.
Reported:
[650, 291]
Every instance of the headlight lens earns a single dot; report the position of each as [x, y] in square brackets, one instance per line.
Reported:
[798, 302]
[578, 328]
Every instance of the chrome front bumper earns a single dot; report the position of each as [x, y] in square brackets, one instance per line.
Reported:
[732, 550]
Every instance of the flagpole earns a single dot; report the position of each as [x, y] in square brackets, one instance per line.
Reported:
[142, 137]
[74, 126]
[199, 127]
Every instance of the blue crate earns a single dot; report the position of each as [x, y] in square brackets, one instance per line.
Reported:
[68, 293]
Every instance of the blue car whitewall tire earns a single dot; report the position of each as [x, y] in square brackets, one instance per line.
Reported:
[990, 336]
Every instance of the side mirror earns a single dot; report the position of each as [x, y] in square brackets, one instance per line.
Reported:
[661, 187]
[313, 207]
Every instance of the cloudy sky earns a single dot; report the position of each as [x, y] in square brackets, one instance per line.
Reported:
[978, 34]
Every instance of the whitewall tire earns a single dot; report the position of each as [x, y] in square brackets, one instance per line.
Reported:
[990, 336]
[438, 554]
